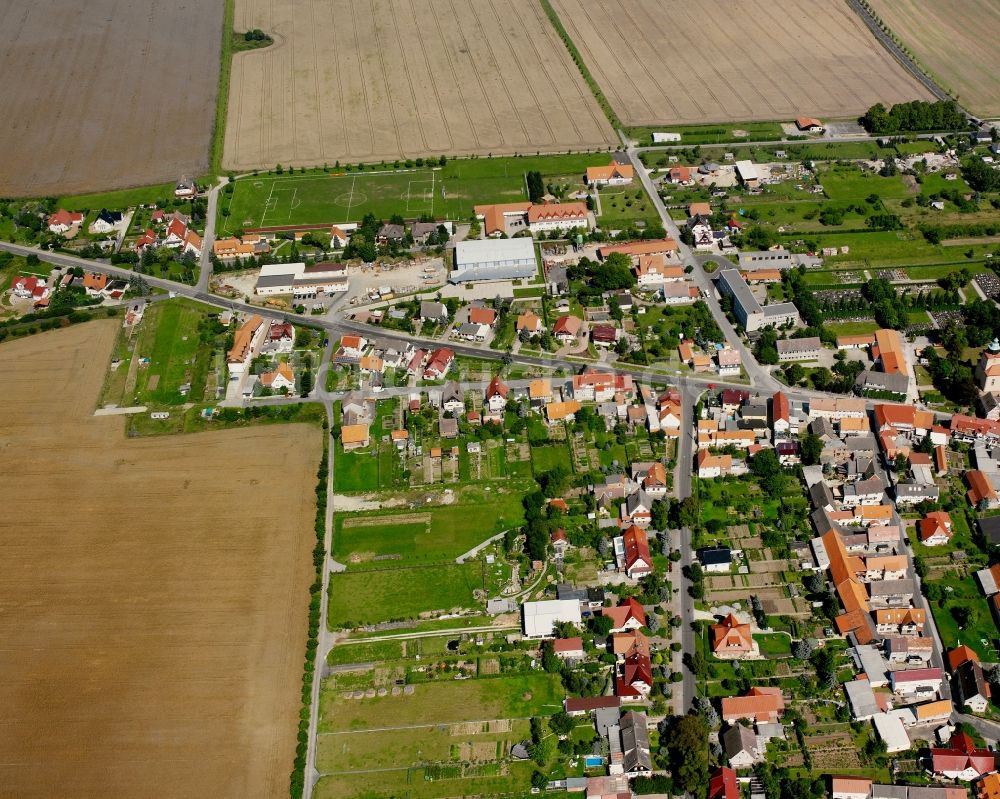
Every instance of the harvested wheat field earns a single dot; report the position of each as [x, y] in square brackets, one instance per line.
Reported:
[668, 61]
[956, 40]
[153, 614]
[105, 95]
[372, 80]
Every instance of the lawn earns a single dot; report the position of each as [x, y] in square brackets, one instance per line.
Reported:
[429, 783]
[980, 631]
[512, 696]
[162, 194]
[447, 192]
[369, 597]
[851, 184]
[169, 338]
[852, 328]
[365, 652]
[431, 534]
[710, 134]
[774, 645]
[546, 458]
[355, 471]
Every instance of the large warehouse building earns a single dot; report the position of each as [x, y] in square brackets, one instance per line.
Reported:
[494, 259]
[748, 311]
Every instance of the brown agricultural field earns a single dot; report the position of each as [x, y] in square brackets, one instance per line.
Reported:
[367, 80]
[714, 61]
[106, 95]
[956, 40]
[154, 592]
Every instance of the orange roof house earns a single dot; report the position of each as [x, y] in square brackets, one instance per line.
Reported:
[633, 642]
[981, 492]
[529, 321]
[959, 655]
[558, 411]
[353, 436]
[482, 316]
[281, 377]
[731, 639]
[935, 528]
[807, 123]
[699, 209]
[612, 172]
[557, 212]
[636, 248]
[495, 216]
[243, 340]
[758, 705]
[628, 615]
[988, 787]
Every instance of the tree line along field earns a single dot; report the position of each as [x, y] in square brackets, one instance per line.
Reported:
[955, 40]
[383, 79]
[155, 617]
[689, 63]
[87, 111]
[447, 192]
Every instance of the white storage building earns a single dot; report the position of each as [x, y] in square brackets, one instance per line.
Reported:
[494, 259]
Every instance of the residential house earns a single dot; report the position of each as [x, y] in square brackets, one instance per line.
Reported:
[740, 746]
[540, 391]
[902, 621]
[715, 560]
[653, 271]
[731, 639]
[935, 529]
[851, 788]
[482, 316]
[436, 312]
[971, 689]
[279, 378]
[529, 321]
[981, 494]
[62, 221]
[354, 436]
[495, 399]
[352, 347]
[439, 363]
[567, 328]
[636, 678]
[569, 648]
[637, 561]
[729, 361]
[604, 335]
[961, 760]
[710, 466]
[246, 343]
[614, 174]
[628, 615]
[390, 233]
[106, 221]
[637, 509]
[556, 412]
[722, 785]
[757, 705]
[915, 681]
[634, 734]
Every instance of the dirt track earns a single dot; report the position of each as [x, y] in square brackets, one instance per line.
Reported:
[713, 61]
[105, 95]
[355, 80]
[956, 40]
[152, 617]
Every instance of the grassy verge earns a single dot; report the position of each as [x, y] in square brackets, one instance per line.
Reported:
[602, 101]
[297, 778]
[222, 95]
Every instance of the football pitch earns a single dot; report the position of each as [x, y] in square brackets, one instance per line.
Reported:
[449, 192]
[332, 199]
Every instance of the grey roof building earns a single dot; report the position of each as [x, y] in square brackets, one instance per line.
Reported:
[750, 314]
[635, 743]
[494, 259]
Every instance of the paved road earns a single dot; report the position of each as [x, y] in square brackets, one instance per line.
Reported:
[205, 261]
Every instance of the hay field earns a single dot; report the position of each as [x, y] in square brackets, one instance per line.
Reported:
[372, 80]
[957, 41]
[116, 95]
[674, 62]
[152, 618]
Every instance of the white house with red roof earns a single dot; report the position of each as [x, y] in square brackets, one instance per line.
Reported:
[30, 288]
[496, 397]
[961, 760]
[62, 221]
[439, 363]
[628, 615]
[352, 347]
[569, 648]
[633, 546]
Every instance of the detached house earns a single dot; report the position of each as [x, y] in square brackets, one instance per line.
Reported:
[567, 328]
[731, 639]
[629, 615]
[62, 221]
[614, 174]
[935, 529]
[635, 560]
[496, 398]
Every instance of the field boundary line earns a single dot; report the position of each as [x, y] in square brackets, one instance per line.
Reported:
[350, 200]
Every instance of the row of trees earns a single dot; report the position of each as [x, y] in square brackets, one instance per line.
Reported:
[914, 116]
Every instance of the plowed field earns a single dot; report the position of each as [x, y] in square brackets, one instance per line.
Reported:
[106, 94]
[154, 592]
[367, 80]
[957, 41]
[668, 61]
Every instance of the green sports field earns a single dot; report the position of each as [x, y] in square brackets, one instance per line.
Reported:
[447, 192]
